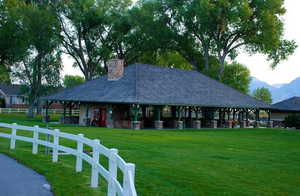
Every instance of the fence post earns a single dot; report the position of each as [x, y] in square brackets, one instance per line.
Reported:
[130, 168]
[13, 136]
[95, 175]
[113, 169]
[0, 110]
[79, 152]
[56, 144]
[35, 140]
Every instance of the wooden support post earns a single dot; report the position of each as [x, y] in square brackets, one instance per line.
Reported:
[87, 119]
[157, 113]
[270, 122]
[64, 114]
[158, 124]
[70, 110]
[233, 114]
[247, 118]
[179, 122]
[109, 122]
[257, 118]
[173, 111]
[135, 110]
[228, 114]
[144, 112]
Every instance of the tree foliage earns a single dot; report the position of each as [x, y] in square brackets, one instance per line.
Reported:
[4, 75]
[165, 58]
[13, 46]
[40, 68]
[88, 33]
[263, 94]
[70, 81]
[237, 76]
[217, 28]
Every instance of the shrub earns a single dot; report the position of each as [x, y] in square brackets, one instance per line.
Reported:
[292, 121]
[2, 103]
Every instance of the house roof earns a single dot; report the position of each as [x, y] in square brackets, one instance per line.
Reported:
[148, 84]
[291, 104]
[11, 89]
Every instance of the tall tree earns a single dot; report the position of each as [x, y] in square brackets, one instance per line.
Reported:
[263, 94]
[41, 67]
[87, 28]
[219, 28]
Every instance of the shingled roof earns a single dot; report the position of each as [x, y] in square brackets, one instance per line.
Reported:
[11, 89]
[156, 85]
[291, 104]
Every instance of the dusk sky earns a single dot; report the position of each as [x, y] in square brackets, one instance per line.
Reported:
[285, 72]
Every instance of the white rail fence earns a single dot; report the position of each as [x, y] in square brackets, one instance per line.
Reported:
[115, 162]
[25, 110]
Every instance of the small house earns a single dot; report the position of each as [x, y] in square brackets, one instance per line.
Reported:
[11, 96]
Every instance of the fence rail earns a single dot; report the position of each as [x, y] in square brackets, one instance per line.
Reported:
[114, 187]
[25, 110]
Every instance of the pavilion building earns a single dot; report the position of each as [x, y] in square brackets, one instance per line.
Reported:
[148, 96]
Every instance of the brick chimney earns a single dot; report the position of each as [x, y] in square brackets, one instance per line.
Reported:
[115, 68]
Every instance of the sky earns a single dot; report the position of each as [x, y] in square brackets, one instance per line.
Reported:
[259, 67]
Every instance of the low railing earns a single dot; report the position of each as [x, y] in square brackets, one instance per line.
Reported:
[25, 110]
[114, 187]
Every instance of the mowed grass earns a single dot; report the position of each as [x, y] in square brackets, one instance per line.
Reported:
[180, 162]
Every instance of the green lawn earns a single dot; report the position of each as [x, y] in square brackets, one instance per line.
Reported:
[172, 162]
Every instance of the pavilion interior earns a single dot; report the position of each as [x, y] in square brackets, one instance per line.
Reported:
[161, 117]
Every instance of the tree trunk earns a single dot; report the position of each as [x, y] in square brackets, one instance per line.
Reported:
[30, 113]
[222, 66]
[206, 59]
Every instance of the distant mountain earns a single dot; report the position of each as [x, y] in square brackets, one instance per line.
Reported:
[278, 85]
[279, 91]
[256, 83]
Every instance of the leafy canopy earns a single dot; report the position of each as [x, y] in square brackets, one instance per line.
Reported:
[88, 33]
[263, 94]
[237, 76]
[70, 81]
[217, 28]
[13, 45]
